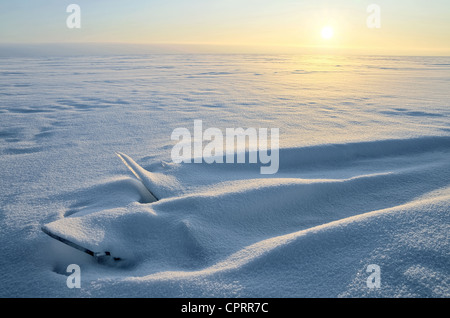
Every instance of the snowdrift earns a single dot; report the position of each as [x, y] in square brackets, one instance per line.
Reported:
[384, 199]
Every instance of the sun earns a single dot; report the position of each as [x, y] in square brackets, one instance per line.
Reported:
[327, 32]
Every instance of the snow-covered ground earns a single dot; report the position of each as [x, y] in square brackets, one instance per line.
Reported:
[364, 176]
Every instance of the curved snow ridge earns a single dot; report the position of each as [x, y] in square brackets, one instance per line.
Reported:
[172, 180]
[255, 196]
[284, 198]
[196, 230]
[333, 154]
[388, 230]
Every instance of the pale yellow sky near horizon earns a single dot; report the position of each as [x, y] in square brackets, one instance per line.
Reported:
[411, 27]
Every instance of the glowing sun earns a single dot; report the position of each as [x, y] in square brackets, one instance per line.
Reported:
[327, 32]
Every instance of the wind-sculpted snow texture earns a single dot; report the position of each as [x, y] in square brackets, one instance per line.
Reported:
[364, 176]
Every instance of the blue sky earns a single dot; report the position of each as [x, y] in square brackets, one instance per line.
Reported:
[407, 26]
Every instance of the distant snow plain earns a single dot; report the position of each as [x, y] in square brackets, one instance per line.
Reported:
[364, 176]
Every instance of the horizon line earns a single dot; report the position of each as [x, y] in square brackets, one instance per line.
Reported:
[226, 48]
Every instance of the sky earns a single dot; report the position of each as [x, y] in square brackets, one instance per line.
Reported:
[411, 27]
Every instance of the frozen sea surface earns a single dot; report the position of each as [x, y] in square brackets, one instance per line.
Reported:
[364, 176]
